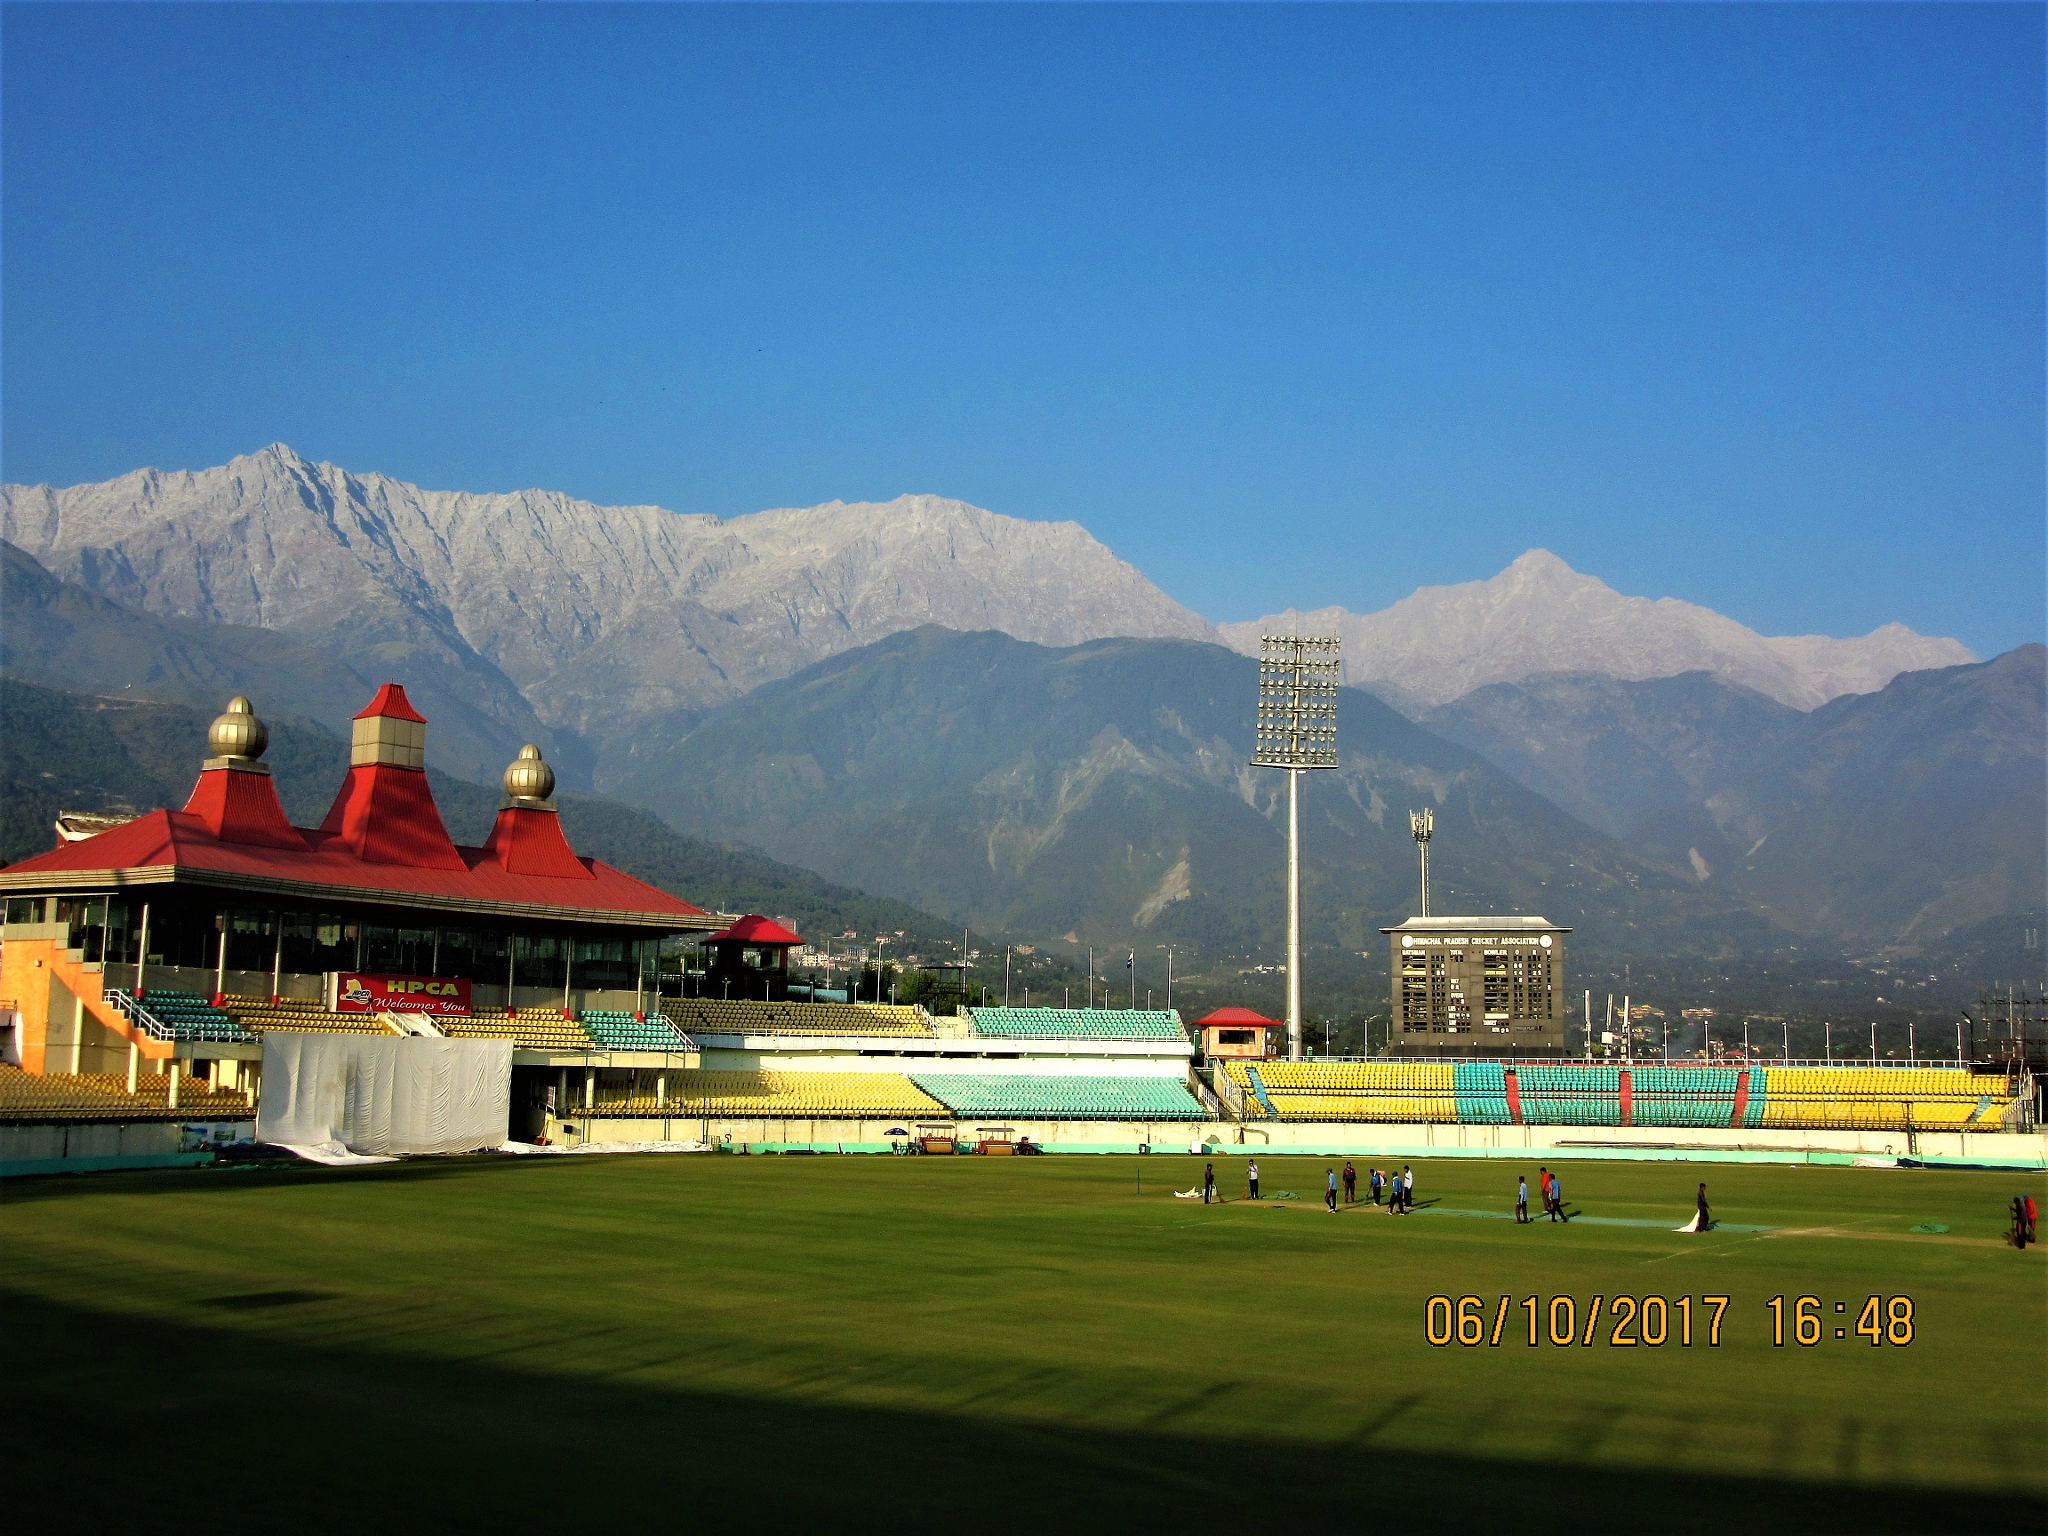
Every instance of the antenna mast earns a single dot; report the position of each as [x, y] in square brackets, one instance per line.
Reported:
[1420, 824]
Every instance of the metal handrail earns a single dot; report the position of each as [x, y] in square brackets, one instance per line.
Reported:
[148, 1022]
[1227, 1091]
[156, 1029]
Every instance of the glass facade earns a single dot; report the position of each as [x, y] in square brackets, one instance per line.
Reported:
[187, 930]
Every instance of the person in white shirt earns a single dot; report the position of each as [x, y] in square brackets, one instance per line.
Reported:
[1252, 1173]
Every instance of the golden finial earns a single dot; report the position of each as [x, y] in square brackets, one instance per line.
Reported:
[238, 733]
[529, 778]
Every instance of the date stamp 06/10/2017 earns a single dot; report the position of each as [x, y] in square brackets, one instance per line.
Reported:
[1636, 1322]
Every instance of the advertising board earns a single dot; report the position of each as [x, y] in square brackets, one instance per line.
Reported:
[435, 996]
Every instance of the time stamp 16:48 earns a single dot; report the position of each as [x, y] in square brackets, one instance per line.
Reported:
[1636, 1322]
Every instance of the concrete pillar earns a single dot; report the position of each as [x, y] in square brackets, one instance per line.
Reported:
[77, 1034]
[589, 1089]
[661, 1090]
[134, 1064]
[172, 1066]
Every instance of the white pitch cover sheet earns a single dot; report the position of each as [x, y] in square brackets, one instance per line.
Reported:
[384, 1094]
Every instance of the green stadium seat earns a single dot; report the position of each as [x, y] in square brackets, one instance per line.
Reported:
[1003, 1095]
[1078, 1024]
[619, 1030]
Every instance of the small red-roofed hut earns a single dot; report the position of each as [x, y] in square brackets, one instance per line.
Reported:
[750, 960]
[1236, 1033]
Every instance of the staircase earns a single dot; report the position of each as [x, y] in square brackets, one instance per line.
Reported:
[1259, 1089]
[87, 982]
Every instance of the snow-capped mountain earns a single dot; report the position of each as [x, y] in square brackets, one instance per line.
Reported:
[1539, 615]
[595, 616]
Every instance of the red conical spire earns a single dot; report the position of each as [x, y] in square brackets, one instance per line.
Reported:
[235, 797]
[385, 810]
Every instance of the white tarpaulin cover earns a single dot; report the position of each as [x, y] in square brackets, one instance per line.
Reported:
[331, 1154]
[382, 1093]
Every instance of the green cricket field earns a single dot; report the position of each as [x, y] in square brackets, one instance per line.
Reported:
[1033, 1344]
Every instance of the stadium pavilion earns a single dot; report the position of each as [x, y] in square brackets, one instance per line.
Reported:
[180, 934]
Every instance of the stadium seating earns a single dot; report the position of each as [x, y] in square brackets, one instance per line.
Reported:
[775, 1095]
[25, 1096]
[1569, 1093]
[717, 1016]
[258, 1014]
[1884, 1098]
[1684, 1096]
[533, 1029]
[1078, 1024]
[186, 1016]
[1753, 1109]
[1481, 1089]
[1409, 1092]
[990, 1094]
[618, 1030]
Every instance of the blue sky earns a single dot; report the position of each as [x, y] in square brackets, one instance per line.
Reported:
[1740, 304]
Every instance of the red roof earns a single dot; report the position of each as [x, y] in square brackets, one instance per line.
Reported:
[530, 842]
[241, 807]
[392, 702]
[382, 841]
[165, 840]
[1238, 1018]
[755, 929]
[388, 816]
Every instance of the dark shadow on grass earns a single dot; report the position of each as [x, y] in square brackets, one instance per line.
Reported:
[229, 1179]
[305, 1432]
[263, 1301]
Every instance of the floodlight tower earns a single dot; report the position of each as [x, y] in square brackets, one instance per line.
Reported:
[1297, 732]
[1420, 824]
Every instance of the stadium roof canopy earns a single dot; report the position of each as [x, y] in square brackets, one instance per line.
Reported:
[382, 842]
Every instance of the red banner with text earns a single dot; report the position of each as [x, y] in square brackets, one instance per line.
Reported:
[445, 996]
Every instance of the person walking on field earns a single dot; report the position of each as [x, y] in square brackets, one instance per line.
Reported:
[1252, 1173]
[1407, 1188]
[1350, 1183]
[1379, 1181]
[1706, 1216]
[1330, 1193]
[1557, 1201]
[1522, 1200]
[1543, 1188]
[2032, 1236]
[1209, 1184]
[2019, 1222]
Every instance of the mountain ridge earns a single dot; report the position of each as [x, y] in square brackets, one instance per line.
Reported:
[1540, 616]
[1884, 820]
[584, 617]
[1103, 791]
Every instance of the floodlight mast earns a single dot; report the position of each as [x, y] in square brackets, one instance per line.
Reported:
[1297, 732]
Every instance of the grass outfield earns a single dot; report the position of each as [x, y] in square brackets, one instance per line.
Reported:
[1003, 1344]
